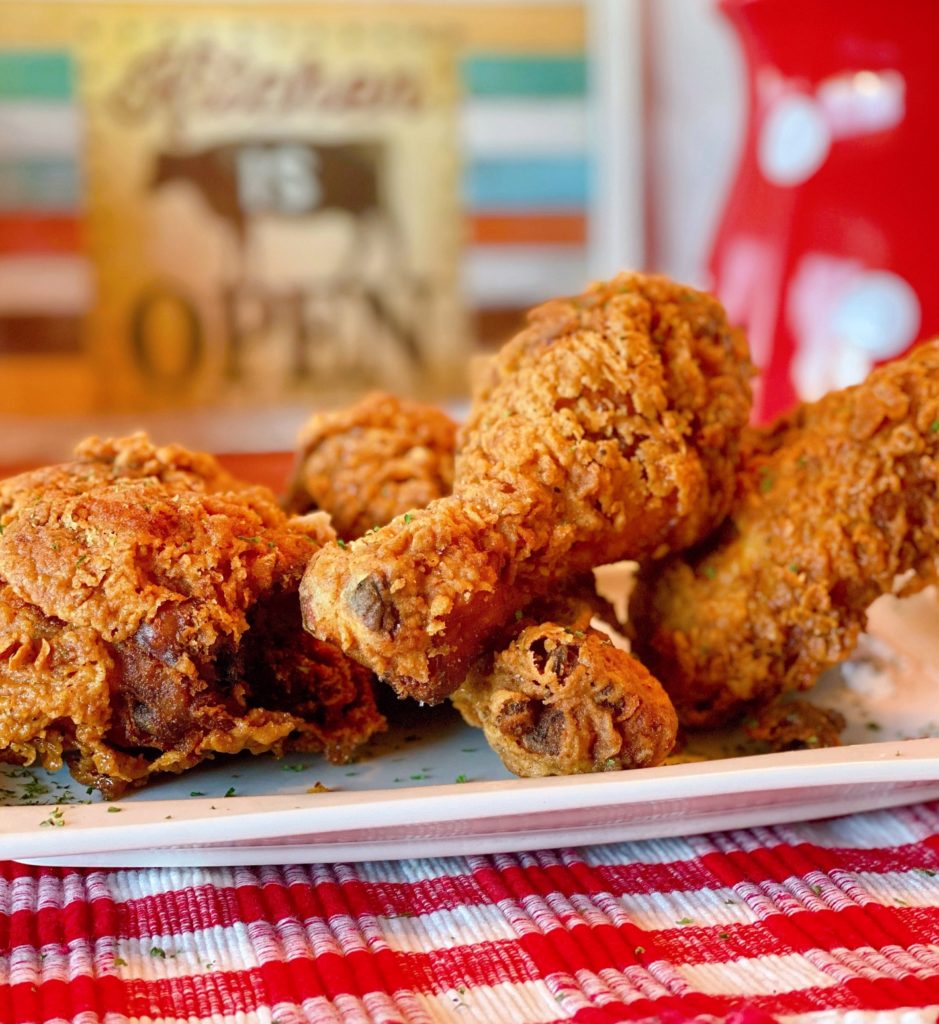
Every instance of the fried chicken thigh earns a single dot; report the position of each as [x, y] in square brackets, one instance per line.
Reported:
[608, 428]
[372, 461]
[835, 502]
[149, 618]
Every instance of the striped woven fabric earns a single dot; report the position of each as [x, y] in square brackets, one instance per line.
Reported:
[822, 922]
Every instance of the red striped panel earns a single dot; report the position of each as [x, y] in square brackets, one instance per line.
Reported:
[39, 234]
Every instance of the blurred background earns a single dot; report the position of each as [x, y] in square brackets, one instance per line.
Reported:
[215, 217]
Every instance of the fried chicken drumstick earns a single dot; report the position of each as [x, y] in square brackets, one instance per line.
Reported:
[149, 618]
[372, 461]
[608, 428]
[835, 501]
[562, 700]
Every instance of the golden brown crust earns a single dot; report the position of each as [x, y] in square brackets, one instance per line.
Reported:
[834, 502]
[141, 591]
[607, 429]
[796, 725]
[561, 701]
[372, 461]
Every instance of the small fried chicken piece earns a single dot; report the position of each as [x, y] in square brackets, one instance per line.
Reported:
[796, 725]
[562, 700]
[835, 501]
[608, 428]
[375, 460]
[149, 618]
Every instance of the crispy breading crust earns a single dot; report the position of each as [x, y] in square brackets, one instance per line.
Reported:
[141, 592]
[835, 501]
[560, 699]
[372, 461]
[607, 429]
[796, 725]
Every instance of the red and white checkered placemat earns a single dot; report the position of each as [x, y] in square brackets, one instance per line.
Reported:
[826, 921]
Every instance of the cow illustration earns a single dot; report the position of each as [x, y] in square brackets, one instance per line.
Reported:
[243, 182]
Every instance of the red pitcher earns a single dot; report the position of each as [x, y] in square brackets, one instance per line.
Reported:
[825, 249]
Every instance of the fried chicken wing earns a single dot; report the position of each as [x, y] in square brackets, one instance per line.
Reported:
[372, 461]
[835, 501]
[608, 428]
[149, 618]
[560, 699]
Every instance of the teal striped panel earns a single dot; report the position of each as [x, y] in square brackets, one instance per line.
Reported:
[36, 74]
[39, 184]
[527, 183]
[524, 74]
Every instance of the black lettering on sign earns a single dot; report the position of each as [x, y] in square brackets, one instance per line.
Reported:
[247, 314]
[166, 335]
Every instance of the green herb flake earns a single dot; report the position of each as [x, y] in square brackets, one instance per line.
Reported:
[115, 810]
[518, 615]
[766, 481]
[294, 767]
[249, 540]
[197, 792]
[157, 952]
[873, 726]
[55, 819]
[640, 950]
[119, 961]
[723, 935]
[817, 889]
[709, 571]
[230, 791]
[793, 567]
[684, 920]
[80, 559]
[340, 542]
[408, 517]
[461, 778]
[934, 427]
